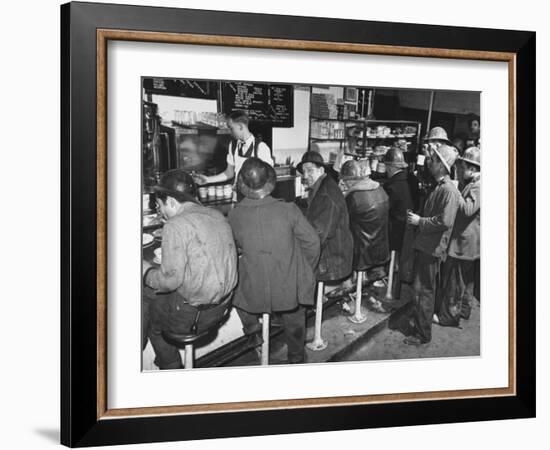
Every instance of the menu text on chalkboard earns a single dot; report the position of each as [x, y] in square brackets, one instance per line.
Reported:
[182, 87]
[267, 103]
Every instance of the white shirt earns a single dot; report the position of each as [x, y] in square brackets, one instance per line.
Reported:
[237, 161]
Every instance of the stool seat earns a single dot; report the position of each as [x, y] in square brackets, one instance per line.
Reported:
[186, 340]
[183, 339]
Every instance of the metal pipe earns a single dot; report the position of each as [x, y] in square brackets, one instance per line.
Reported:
[318, 343]
[429, 122]
[265, 337]
[358, 316]
[389, 295]
[188, 356]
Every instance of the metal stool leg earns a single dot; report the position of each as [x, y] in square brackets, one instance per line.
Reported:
[358, 316]
[389, 295]
[318, 343]
[265, 337]
[188, 356]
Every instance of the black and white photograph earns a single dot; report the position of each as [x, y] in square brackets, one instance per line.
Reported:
[289, 223]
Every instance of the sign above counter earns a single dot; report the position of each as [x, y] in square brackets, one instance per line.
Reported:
[267, 103]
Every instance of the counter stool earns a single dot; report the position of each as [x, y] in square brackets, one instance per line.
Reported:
[358, 316]
[389, 295]
[265, 337]
[186, 340]
[318, 342]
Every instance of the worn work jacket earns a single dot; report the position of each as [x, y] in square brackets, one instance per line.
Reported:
[399, 193]
[279, 253]
[436, 224]
[368, 207]
[328, 214]
[199, 258]
[465, 238]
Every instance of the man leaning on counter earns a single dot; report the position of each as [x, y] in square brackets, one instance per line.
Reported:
[243, 146]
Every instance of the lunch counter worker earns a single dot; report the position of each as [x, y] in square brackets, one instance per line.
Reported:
[198, 271]
[243, 146]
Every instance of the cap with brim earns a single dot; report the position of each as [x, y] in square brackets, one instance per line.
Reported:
[438, 134]
[256, 179]
[178, 184]
[447, 156]
[470, 161]
[397, 165]
[355, 170]
[178, 195]
[470, 154]
[394, 158]
[311, 157]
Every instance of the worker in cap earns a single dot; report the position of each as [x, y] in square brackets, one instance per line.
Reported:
[368, 207]
[459, 271]
[434, 229]
[402, 189]
[438, 135]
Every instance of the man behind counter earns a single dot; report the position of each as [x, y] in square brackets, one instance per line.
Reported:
[243, 146]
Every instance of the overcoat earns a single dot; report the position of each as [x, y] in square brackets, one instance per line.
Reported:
[368, 207]
[401, 199]
[465, 238]
[279, 251]
[328, 214]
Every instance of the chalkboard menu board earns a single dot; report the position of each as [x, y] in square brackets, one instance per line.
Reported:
[182, 88]
[267, 103]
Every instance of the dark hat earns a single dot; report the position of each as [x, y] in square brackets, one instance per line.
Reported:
[394, 157]
[179, 184]
[311, 157]
[256, 178]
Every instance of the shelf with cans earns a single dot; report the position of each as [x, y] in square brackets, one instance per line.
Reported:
[340, 140]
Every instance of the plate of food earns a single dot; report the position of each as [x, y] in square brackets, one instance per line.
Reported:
[147, 239]
[151, 220]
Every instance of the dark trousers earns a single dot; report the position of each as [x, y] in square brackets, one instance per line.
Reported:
[294, 325]
[426, 279]
[457, 291]
[170, 312]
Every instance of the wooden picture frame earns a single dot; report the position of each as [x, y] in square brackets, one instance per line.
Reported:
[85, 30]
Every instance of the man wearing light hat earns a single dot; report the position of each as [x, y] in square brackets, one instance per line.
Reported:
[434, 230]
[458, 277]
[368, 207]
[436, 137]
[279, 250]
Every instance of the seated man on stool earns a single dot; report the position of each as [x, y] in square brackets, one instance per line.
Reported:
[198, 269]
[280, 250]
[328, 214]
[368, 207]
